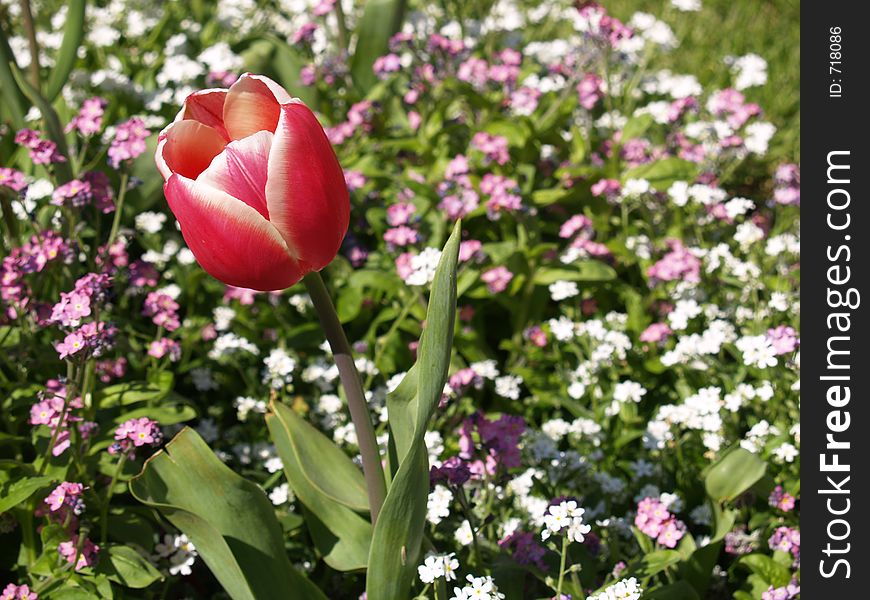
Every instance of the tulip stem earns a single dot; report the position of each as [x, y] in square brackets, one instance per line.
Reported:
[119, 207]
[356, 400]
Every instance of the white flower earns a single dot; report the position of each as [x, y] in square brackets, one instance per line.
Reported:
[758, 136]
[561, 290]
[508, 386]
[757, 351]
[686, 5]
[423, 267]
[464, 536]
[786, 453]
[223, 317]
[626, 589]
[281, 494]
[749, 71]
[438, 504]
[279, 366]
[568, 516]
[563, 328]
[150, 222]
[628, 391]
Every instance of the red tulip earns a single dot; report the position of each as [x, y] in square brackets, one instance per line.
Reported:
[254, 183]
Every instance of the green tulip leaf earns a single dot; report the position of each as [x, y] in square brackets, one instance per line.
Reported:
[733, 474]
[379, 21]
[329, 486]
[73, 33]
[228, 518]
[398, 533]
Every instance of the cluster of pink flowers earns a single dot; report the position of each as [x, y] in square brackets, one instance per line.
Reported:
[787, 539]
[498, 440]
[359, 117]
[76, 305]
[787, 592]
[83, 557]
[89, 119]
[128, 142]
[165, 347]
[354, 179]
[93, 187]
[783, 338]
[135, 433]
[503, 195]
[109, 369]
[66, 498]
[580, 228]
[602, 26]
[42, 152]
[17, 592]
[32, 257]
[495, 147]
[387, 64]
[92, 338]
[64, 505]
[464, 379]
[524, 100]
[496, 279]
[163, 310]
[458, 196]
[13, 179]
[504, 71]
[678, 264]
[525, 549]
[55, 411]
[654, 520]
[787, 189]
[536, 335]
[732, 105]
[781, 499]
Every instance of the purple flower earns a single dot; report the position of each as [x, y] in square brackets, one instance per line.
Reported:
[89, 119]
[496, 279]
[12, 179]
[87, 557]
[128, 142]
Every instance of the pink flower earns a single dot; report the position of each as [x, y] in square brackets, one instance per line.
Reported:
[89, 119]
[17, 592]
[469, 249]
[495, 147]
[135, 433]
[657, 332]
[128, 142]
[354, 180]
[71, 344]
[86, 558]
[781, 499]
[384, 65]
[589, 90]
[401, 236]
[678, 264]
[573, 225]
[497, 279]
[783, 339]
[609, 188]
[12, 179]
[66, 494]
[163, 310]
[400, 213]
[165, 346]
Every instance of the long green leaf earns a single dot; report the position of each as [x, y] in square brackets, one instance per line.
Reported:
[49, 118]
[21, 490]
[73, 34]
[328, 485]
[13, 98]
[380, 20]
[733, 474]
[398, 533]
[228, 518]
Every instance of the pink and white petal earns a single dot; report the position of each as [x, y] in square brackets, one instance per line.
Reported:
[306, 192]
[279, 92]
[187, 147]
[250, 107]
[241, 170]
[229, 239]
[207, 107]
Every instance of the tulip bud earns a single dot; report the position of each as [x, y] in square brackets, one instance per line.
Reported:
[255, 184]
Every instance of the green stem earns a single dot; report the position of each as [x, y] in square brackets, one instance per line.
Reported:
[70, 394]
[119, 207]
[343, 38]
[373, 470]
[104, 510]
[30, 28]
[564, 555]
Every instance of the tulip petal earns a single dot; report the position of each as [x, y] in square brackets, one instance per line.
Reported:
[305, 191]
[229, 239]
[240, 170]
[250, 107]
[187, 147]
[207, 107]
